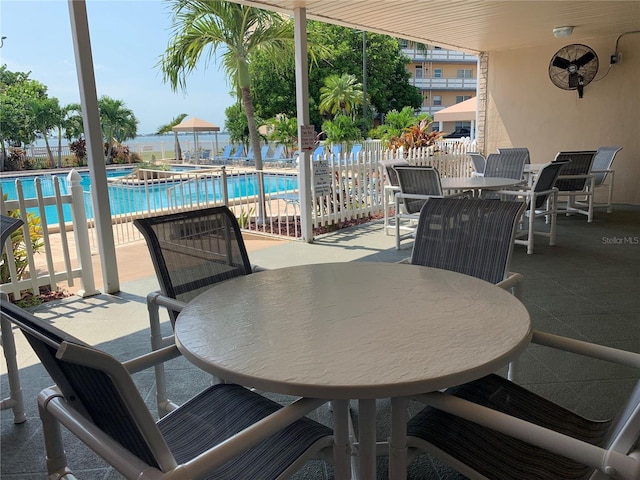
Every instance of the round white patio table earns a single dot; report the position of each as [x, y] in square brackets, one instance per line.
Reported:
[477, 183]
[354, 330]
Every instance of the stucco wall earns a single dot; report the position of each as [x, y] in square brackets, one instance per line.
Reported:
[525, 109]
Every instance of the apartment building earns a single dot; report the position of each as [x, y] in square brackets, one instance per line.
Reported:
[445, 77]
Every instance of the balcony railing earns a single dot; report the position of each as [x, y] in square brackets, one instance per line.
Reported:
[444, 83]
[433, 55]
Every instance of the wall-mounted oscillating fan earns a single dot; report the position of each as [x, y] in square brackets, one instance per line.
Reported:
[573, 67]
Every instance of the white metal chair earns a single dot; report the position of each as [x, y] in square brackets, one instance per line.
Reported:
[576, 181]
[601, 170]
[493, 429]
[391, 186]
[470, 236]
[506, 165]
[191, 251]
[479, 163]
[224, 432]
[541, 199]
[517, 150]
[15, 400]
[417, 184]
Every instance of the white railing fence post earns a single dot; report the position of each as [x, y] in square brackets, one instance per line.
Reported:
[81, 232]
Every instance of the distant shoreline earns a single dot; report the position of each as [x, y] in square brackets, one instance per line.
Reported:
[223, 138]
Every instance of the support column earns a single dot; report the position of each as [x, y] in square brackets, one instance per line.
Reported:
[302, 103]
[95, 152]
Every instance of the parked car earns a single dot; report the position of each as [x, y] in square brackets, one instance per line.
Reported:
[458, 133]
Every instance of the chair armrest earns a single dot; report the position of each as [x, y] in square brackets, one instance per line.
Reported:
[587, 349]
[151, 359]
[156, 298]
[512, 280]
[416, 196]
[574, 177]
[625, 466]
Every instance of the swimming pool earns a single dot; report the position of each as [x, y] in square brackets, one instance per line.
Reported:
[141, 197]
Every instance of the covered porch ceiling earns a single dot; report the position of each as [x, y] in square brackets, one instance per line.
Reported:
[471, 26]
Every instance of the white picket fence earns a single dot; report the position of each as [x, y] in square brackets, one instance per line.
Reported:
[355, 191]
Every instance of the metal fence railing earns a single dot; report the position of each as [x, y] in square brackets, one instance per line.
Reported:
[354, 191]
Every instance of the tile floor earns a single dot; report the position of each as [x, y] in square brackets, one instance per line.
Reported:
[585, 287]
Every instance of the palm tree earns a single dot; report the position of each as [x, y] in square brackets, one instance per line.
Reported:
[117, 121]
[284, 131]
[340, 94]
[46, 114]
[169, 128]
[238, 31]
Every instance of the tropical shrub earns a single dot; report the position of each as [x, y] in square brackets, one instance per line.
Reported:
[342, 129]
[19, 246]
[416, 136]
[79, 150]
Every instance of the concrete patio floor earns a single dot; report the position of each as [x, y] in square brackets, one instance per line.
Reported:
[585, 287]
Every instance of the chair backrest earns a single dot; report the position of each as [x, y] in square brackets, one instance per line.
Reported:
[264, 151]
[318, 152]
[389, 170]
[355, 150]
[470, 236]
[336, 149]
[603, 161]
[479, 161]
[546, 180]
[580, 164]
[96, 385]
[8, 225]
[517, 150]
[238, 152]
[193, 250]
[226, 153]
[418, 181]
[277, 153]
[505, 165]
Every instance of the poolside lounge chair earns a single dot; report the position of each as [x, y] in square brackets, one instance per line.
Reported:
[238, 154]
[15, 400]
[356, 151]
[226, 154]
[318, 153]
[215, 434]
[190, 252]
[493, 429]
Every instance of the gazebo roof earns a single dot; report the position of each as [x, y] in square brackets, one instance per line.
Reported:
[463, 111]
[195, 125]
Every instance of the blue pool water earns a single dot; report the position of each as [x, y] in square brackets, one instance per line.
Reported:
[137, 198]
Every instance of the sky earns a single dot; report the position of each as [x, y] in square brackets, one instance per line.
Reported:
[127, 40]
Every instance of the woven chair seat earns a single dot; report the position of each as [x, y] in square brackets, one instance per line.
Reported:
[498, 456]
[223, 410]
